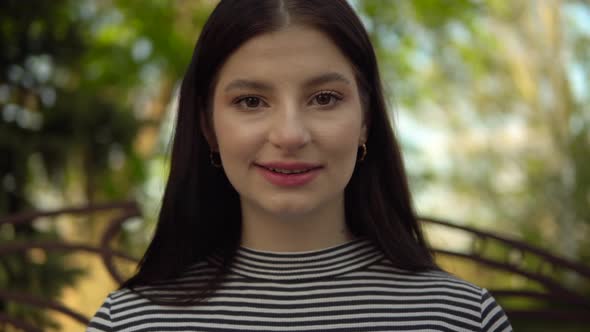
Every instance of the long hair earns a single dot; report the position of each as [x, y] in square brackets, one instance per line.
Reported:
[200, 213]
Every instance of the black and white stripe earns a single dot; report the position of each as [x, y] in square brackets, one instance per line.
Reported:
[350, 287]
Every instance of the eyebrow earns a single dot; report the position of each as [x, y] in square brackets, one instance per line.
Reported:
[326, 78]
[314, 81]
[247, 84]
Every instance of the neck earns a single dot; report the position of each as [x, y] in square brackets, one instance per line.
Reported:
[313, 231]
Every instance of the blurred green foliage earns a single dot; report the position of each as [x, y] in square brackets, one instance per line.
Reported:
[490, 99]
[493, 114]
[71, 73]
[507, 84]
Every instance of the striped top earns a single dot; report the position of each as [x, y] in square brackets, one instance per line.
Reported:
[349, 287]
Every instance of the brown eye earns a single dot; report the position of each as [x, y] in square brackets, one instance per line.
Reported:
[324, 98]
[251, 102]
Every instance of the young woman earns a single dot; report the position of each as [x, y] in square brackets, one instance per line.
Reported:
[287, 206]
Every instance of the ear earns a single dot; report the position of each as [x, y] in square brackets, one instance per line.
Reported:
[207, 130]
[364, 130]
[363, 137]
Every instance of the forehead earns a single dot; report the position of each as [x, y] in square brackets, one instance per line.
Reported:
[289, 55]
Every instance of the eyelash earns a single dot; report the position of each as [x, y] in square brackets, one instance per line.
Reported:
[240, 101]
[336, 97]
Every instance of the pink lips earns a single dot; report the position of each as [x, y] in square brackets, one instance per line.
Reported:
[292, 179]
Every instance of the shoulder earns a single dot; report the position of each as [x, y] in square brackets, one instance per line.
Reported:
[433, 279]
[442, 292]
[193, 276]
[101, 322]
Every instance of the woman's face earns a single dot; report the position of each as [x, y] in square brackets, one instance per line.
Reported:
[287, 121]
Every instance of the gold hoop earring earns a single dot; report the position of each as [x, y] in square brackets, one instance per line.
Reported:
[363, 153]
[215, 161]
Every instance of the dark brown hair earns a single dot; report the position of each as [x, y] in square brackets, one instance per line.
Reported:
[200, 213]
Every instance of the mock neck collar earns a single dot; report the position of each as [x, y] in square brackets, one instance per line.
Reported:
[315, 264]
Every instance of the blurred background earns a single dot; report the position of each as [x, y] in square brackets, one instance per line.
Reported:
[490, 99]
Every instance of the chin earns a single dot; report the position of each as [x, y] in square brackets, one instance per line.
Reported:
[290, 211]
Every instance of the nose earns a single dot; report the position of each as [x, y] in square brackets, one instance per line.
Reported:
[289, 131]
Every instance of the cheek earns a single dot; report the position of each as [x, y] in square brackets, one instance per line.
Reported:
[341, 136]
[227, 136]
[236, 141]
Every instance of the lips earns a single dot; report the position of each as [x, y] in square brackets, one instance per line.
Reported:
[289, 167]
[289, 174]
[288, 171]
